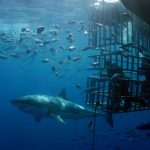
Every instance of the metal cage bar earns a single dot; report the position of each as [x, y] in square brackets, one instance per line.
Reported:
[122, 42]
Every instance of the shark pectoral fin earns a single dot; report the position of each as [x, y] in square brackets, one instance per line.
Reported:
[58, 118]
[38, 118]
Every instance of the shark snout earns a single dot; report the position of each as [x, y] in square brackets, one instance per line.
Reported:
[23, 101]
[14, 101]
[17, 102]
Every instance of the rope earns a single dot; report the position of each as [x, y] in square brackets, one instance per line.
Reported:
[94, 129]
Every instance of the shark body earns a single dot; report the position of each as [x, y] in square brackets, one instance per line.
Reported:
[41, 106]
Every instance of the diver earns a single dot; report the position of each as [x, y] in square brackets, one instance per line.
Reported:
[117, 87]
[146, 72]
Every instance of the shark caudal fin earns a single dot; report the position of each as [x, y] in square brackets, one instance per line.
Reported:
[63, 94]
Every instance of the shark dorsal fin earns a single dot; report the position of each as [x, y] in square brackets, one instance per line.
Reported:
[63, 94]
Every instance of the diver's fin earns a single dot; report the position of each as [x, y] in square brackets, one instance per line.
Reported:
[38, 118]
[108, 117]
[58, 118]
[63, 94]
[115, 107]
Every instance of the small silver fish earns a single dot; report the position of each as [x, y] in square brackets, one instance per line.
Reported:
[71, 48]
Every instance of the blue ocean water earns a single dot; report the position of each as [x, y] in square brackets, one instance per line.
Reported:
[26, 75]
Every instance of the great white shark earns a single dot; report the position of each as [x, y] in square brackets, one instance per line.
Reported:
[57, 107]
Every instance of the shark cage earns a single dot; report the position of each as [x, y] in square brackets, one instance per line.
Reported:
[121, 44]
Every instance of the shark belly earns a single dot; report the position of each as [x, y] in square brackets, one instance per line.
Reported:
[75, 111]
[36, 111]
